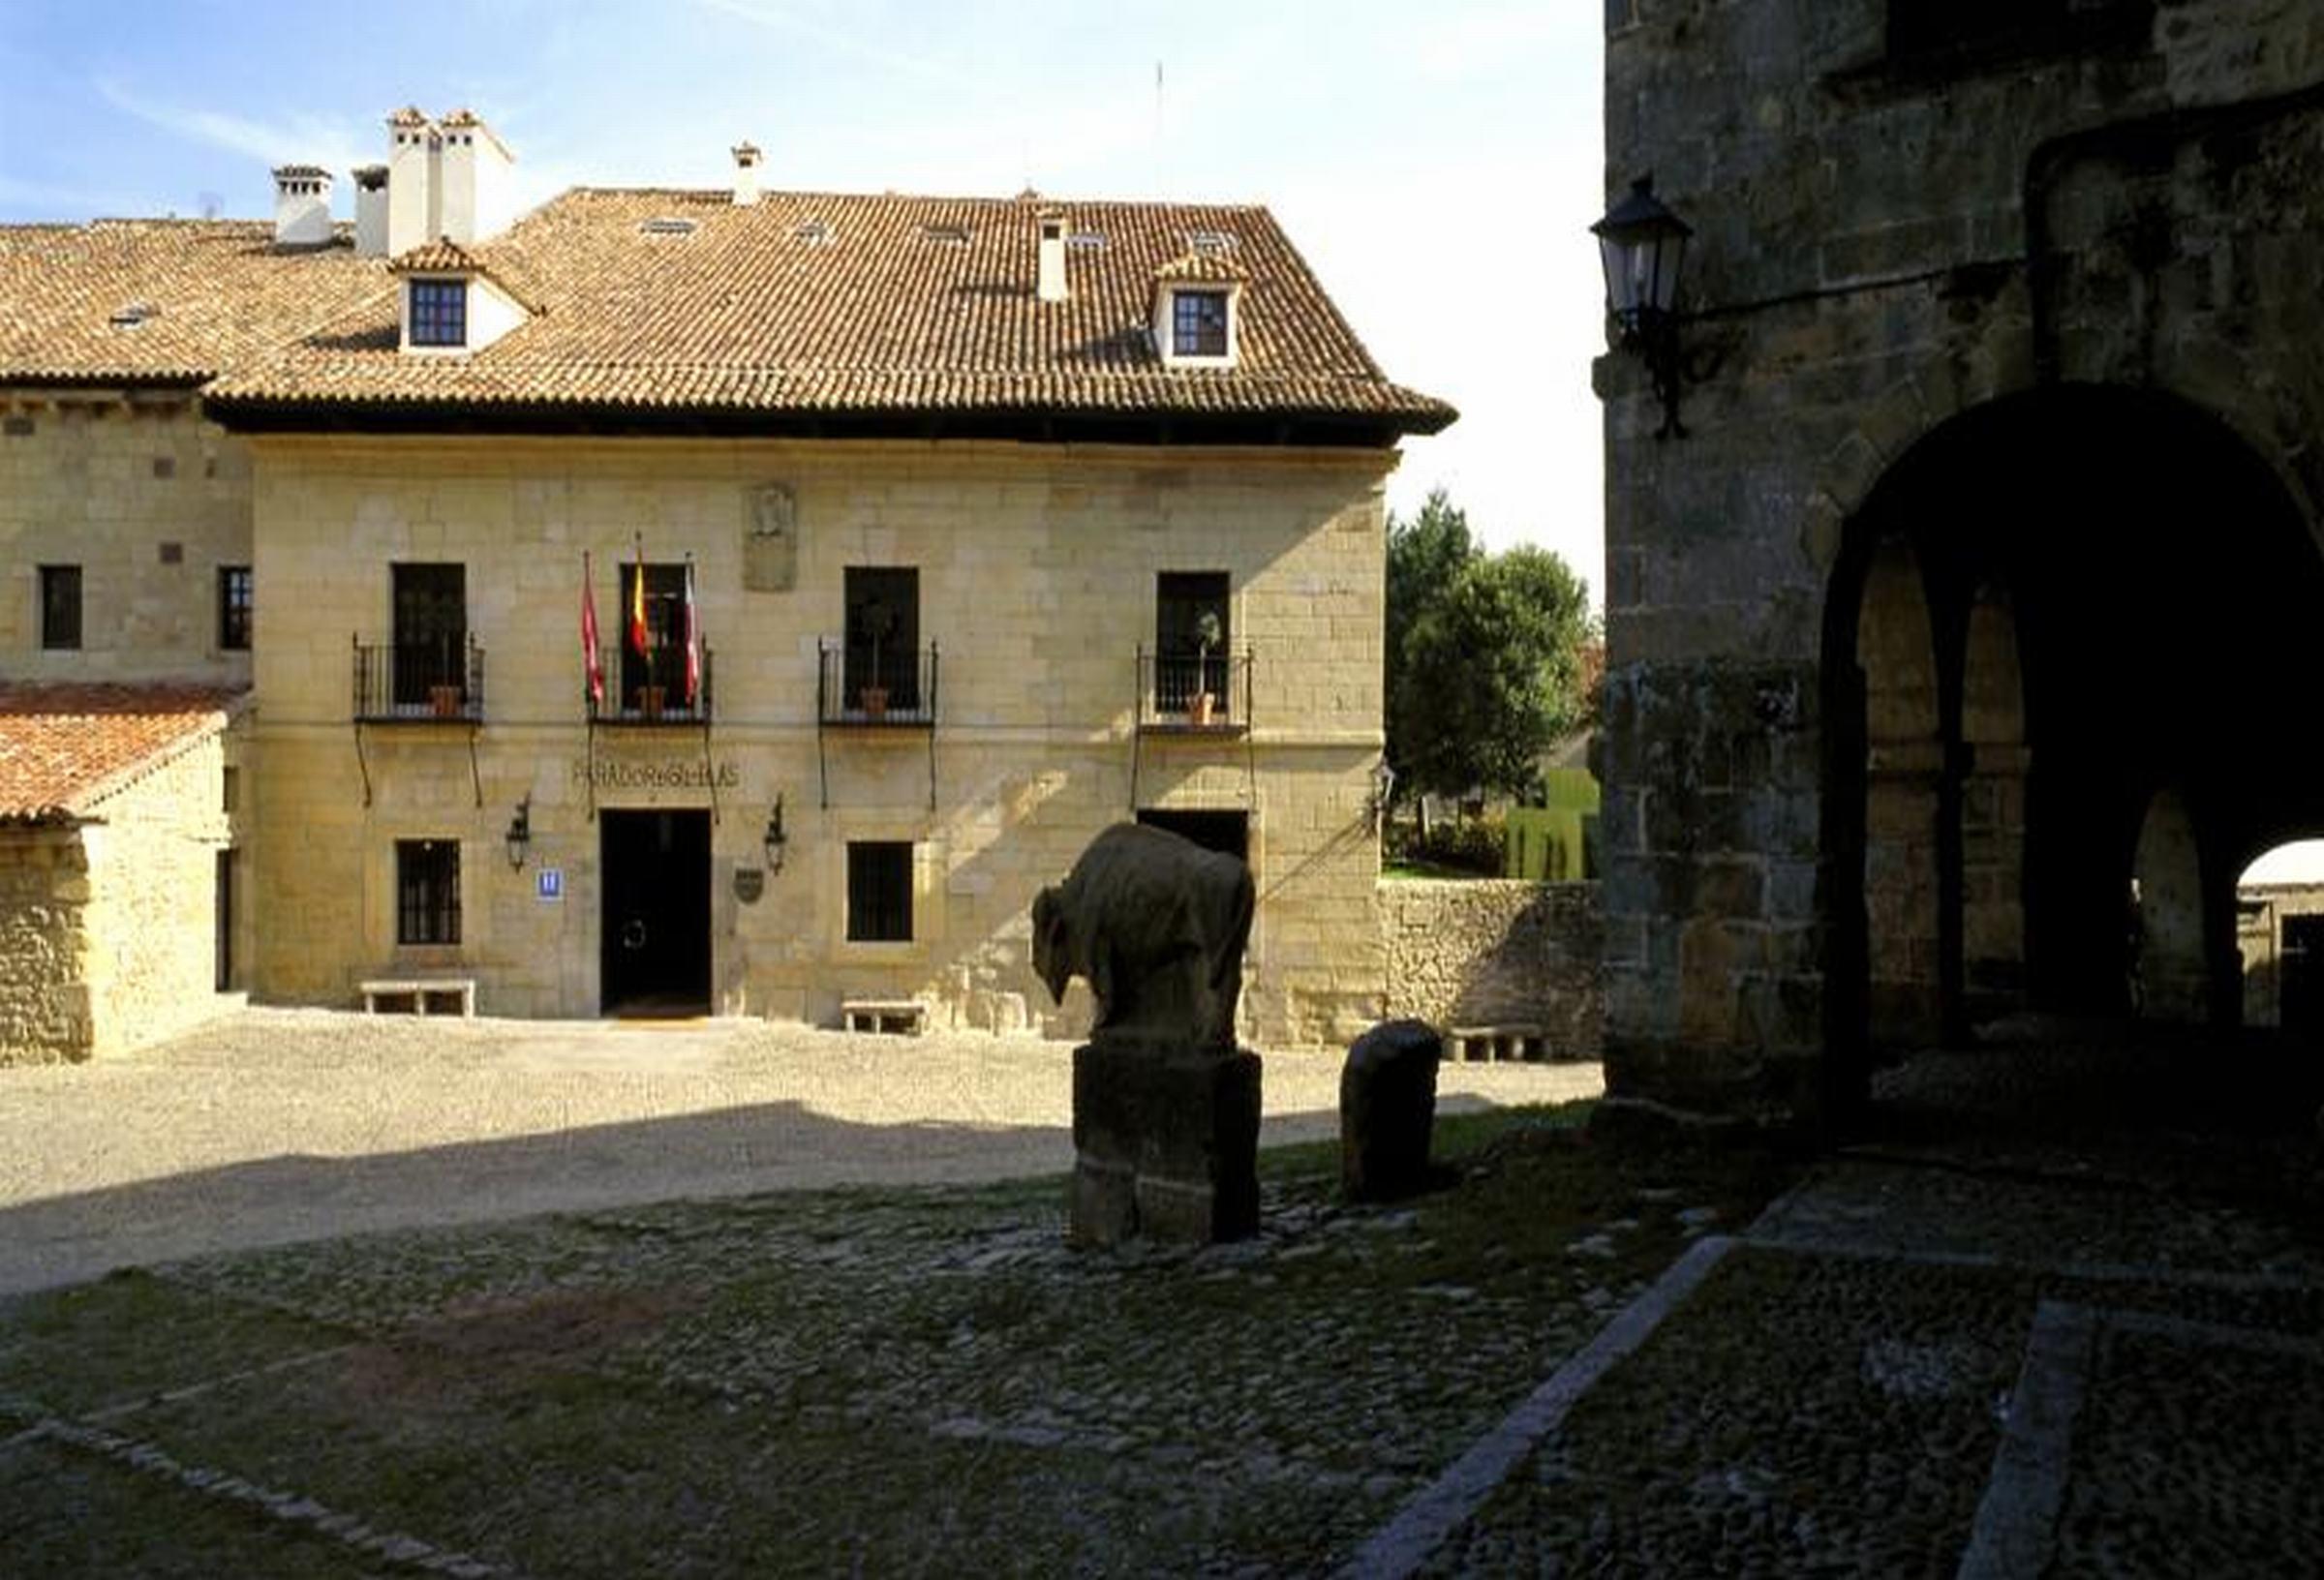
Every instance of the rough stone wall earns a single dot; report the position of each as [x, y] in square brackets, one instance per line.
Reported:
[149, 500]
[1496, 953]
[1037, 582]
[1861, 243]
[45, 1010]
[152, 918]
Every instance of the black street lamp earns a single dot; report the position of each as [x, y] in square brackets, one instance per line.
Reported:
[1642, 244]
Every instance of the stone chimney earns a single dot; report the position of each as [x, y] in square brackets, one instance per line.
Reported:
[371, 211]
[473, 168]
[1049, 279]
[745, 174]
[412, 202]
[302, 206]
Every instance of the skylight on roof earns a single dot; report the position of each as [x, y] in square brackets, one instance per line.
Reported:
[1087, 241]
[130, 315]
[814, 232]
[1210, 242]
[945, 235]
[666, 225]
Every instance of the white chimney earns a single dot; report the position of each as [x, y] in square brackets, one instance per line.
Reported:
[476, 195]
[371, 211]
[745, 174]
[302, 206]
[414, 214]
[1050, 280]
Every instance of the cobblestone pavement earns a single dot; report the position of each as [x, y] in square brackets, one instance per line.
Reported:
[281, 1125]
[2023, 1330]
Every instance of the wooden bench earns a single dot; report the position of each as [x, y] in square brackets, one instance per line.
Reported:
[418, 995]
[1479, 1043]
[894, 1016]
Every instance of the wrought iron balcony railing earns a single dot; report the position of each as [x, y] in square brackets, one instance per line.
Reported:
[1194, 690]
[417, 682]
[857, 688]
[649, 690]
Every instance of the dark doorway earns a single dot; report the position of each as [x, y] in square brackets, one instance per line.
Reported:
[1227, 832]
[226, 920]
[653, 950]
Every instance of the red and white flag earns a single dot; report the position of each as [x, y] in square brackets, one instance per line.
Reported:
[592, 665]
[693, 640]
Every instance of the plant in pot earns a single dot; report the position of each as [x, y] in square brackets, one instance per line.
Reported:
[879, 623]
[1206, 637]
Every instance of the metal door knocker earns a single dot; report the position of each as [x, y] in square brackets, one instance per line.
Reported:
[633, 934]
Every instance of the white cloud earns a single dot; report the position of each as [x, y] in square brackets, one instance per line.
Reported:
[333, 143]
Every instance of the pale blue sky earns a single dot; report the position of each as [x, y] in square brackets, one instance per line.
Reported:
[1437, 164]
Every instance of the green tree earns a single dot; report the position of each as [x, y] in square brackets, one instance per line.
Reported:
[1483, 656]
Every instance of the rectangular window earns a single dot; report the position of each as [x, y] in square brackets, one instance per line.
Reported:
[427, 890]
[879, 892]
[60, 606]
[663, 664]
[1198, 324]
[883, 634]
[233, 608]
[1190, 638]
[438, 312]
[430, 631]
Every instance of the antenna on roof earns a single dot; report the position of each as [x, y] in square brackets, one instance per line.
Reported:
[1159, 183]
[210, 204]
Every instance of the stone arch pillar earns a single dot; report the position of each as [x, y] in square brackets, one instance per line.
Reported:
[1904, 772]
[1993, 761]
[2171, 957]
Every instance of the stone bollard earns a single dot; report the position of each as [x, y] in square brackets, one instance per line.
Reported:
[1164, 1143]
[1387, 1110]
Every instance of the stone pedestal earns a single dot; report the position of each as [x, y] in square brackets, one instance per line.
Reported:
[1164, 1143]
[1387, 1111]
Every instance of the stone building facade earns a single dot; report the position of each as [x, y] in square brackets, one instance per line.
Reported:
[951, 531]
[1970, 597]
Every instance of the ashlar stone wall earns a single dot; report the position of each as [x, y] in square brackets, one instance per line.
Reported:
[1037, 581]
[149, 500]
[1496, 953]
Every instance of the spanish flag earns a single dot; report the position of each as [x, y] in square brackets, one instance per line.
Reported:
[592, 665]
[693, 640]
[637, 602]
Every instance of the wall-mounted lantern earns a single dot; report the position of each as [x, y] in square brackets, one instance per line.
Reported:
[520, 832]
[775, 839]
[1642, 244]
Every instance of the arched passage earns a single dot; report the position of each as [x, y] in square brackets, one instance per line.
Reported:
[2115, 591]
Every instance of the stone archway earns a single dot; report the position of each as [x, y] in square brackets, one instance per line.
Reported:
[2117, 594]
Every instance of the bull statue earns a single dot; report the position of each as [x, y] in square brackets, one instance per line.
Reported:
[1157, 925]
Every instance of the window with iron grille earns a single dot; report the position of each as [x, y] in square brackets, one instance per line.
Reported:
[1183, 666]
[882, 646]
[438, 312]
[1198, 324]
[431, 630]
[879, 890]
[233, 608]
[427, 890]
[60, 606]
[663, 662]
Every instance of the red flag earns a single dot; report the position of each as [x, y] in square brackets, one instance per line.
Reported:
[637, 602]
[693, 640]
[592, 665]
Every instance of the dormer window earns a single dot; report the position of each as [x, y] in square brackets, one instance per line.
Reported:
[1198, 324]
[438, 312]
[452, 302]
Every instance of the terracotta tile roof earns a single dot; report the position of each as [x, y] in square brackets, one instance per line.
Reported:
[1202, 269]
[219, 292]
[900, 305]
[66, 747]
[443, 255]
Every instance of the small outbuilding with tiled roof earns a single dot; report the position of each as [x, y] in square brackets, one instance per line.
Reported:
[116, 841]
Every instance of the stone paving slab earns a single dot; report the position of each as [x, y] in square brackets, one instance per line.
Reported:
[273, 1126]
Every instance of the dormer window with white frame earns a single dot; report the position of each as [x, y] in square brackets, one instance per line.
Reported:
[1198, 309]
[452, 304]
